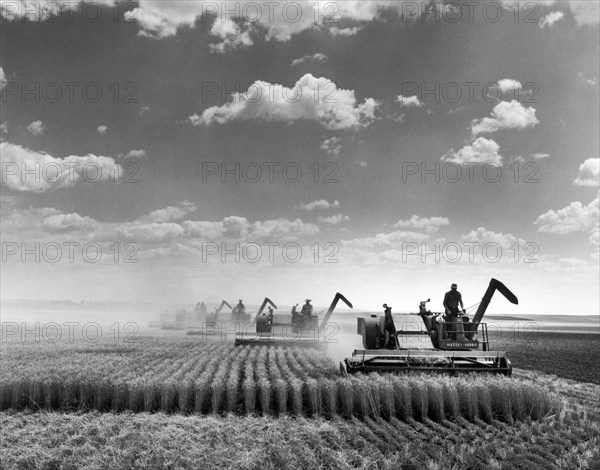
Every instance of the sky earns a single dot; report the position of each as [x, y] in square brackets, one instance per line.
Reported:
[177, 151]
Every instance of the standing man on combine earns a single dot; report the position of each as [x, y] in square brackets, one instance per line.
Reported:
[452, 300]
[240, 308]
[307, 309]
[390, 328]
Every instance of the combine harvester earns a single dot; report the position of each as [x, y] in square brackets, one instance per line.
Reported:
[238, 315]
[467, 351]
[305, 329]
[211, 319]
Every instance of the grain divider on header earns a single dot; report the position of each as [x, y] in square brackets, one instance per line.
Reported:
[461, 346]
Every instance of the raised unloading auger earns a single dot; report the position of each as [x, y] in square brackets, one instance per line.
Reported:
[304, 329]
[457, 346]
[211, 319]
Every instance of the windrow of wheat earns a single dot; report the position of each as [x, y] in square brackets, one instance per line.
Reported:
[187, 376]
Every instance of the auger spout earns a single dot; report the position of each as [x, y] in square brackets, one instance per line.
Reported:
[487, 297]
[336, 299]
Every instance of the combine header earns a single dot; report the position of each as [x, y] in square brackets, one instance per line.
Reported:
[304, 330]
[461, 346]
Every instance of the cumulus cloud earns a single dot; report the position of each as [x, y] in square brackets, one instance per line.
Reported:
[169, 213]
[576, 217]
[540, 155]
[344, 32]
[68, 222]
[334, 219]
[409, 101]
[36, 128]
[315, 99]
[428, 225]
[588, 173]
[144, 110]
[482, 151]
[241, 229]
[506, 115]
[27, 170]
[508, 84]
[585, 12]
[231, 35]
[484, 236]
[161, 19]
[551, 18]
[139, 153]
[332, 146]
[383, 240]
[102, 129]
[317, 57]
[320, 204]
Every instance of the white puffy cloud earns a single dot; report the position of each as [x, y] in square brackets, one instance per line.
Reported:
[231, 36]
[551, 18]
[139, 153]
[332, 146]
[506, 115]
[320, 204]
[27, 170]
[68, 222]
[540, 155]
[240, 228]
[279, 21]
[482, 151]
[169, 213]
[334, 219]
[317, 57]
[36, 128]
[576, 217]
[383, 240]
[484, 236]
[508, 84]
[344, 32]
[409, 101]
[102, 129]
[315, 99]
[283, 229]
[589, 173]
[428, 225]
[4, 127]
[585, 12]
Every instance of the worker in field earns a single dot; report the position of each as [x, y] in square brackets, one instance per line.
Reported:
[270, 315]
[307, 309]
[452, 300]
[240, 308]
[390, 327]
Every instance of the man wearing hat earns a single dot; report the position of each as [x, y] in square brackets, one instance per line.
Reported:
[307, 309]
[452, 300]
